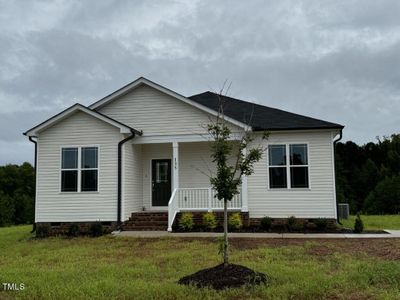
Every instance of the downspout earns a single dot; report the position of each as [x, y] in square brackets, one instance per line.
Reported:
[34, 197]
[120, 144]
[334, 151]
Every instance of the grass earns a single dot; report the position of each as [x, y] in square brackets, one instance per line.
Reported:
[133, 268]
[375, 222]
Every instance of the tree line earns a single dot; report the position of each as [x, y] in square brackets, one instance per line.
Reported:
[367, 177]
[17, 191]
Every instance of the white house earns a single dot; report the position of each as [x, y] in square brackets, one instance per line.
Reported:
[143, 150]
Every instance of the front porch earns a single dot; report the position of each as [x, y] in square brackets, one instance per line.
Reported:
[198, 200]
[172, 177]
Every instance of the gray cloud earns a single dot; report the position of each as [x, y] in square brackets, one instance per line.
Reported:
[335, 60]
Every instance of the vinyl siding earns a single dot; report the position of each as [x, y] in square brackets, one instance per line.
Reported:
[196, 165]
[149, 152]
[79, 129]
[318, 201]
[157, 113]
[132, 179]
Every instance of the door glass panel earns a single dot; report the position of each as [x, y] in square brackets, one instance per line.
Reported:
[161, 172]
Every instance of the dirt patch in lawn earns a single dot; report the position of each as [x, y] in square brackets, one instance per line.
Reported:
[222, 277]
[387, 249]
[352, 296]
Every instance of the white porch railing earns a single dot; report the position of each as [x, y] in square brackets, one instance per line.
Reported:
[197, 199]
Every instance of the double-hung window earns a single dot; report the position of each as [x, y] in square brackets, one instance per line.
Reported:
[288, 166]
[79, 169]
[277, 166]
[298, 165]
[69, 170]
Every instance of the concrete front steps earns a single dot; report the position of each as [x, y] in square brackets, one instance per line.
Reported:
[158, 220]
[147, 220]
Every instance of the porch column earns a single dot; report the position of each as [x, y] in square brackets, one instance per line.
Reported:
[245, 206]
[175, 165]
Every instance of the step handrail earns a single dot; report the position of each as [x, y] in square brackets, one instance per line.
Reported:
[172, 210]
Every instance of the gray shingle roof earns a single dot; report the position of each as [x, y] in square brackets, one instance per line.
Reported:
[262, 117]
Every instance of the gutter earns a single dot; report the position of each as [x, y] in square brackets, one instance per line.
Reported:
[34, 197]
[334, 149]
[120, 144]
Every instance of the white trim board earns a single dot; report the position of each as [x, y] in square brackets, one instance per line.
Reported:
[182, 138]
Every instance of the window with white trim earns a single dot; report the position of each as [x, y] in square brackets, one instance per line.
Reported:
[298, 165]
[277, 166]
[69, 170]
[79, 169]
[288, 173]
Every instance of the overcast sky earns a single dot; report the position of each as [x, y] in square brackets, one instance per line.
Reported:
[333, 60]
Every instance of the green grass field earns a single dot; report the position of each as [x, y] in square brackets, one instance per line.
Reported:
[375, 222]
[129, 268]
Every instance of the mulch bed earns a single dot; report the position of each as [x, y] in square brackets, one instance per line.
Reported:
[277, 229]
[221, 277]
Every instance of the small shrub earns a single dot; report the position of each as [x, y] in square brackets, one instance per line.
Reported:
[291, 222]
[73, 230]
[321, 224]
[186, 221]
[42, 231]
[235, 221]
[210, 221]
[298, 226]
[96, 229]
[358, 224]
[266, 223]
[311, 225]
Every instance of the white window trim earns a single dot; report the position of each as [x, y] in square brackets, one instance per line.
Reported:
[288, 166]
[80, 169]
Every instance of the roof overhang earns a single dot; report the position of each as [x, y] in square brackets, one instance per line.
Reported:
[141, 80]
[73, 109]
[338, 128]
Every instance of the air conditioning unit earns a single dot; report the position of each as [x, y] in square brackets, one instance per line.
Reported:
[343, 210]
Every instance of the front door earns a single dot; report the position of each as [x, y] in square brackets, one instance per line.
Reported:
[161, 181]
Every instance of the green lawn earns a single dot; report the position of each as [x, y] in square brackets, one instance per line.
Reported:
[128, 268]
[375, 222]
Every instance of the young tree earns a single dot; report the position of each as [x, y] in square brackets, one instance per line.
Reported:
[228, 176]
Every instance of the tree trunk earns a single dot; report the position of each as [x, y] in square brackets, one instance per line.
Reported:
[226, 245]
